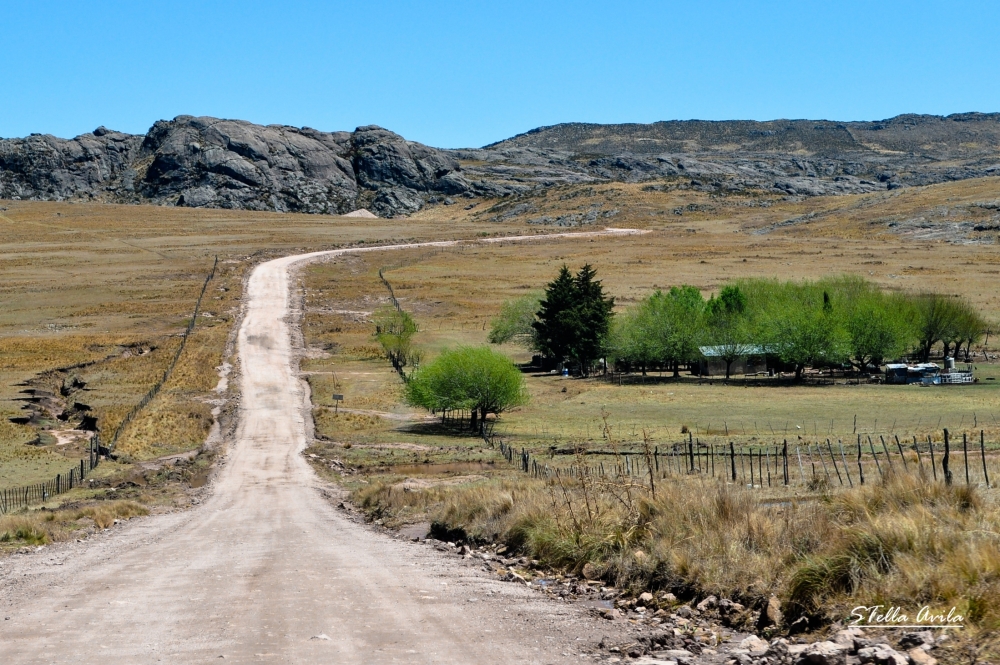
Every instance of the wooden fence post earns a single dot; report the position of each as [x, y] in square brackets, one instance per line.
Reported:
[901, 456]
[930, 445]
[945, 461]
[982, 453]
[732, 459]
[826, 472]
[965, 455]
[861, 470]
[843, 457]
[887, 457]
[833, 459]
[874, 456]
[784, 459]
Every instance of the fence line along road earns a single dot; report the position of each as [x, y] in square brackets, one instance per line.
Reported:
[148, 397]
[20, 497]
[812, 464]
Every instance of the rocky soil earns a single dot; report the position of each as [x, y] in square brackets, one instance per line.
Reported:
[208, 162]
[648, 629]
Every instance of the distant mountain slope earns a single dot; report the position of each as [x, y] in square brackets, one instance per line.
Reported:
[207, 162]
[955, 136]
[794, 157]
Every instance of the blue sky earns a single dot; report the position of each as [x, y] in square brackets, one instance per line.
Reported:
[454, 74]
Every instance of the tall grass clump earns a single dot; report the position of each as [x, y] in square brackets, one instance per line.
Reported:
[903, 541]
[43, 526]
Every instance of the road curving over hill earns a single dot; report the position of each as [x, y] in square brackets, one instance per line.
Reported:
[266, 570]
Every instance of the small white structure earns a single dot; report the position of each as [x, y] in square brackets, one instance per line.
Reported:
[366, 214]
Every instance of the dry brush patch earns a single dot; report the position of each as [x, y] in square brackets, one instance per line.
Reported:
[903, 542]
[41, 527]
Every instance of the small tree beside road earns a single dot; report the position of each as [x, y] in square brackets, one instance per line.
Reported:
[394, 330]
[477, 378]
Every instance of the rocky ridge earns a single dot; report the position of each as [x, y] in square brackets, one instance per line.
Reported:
[210, 163]
[782, 157]
[207, 162]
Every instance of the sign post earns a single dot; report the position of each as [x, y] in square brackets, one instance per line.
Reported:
[337, 400]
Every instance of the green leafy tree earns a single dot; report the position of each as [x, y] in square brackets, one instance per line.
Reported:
[879, 328]
[807, 336]
[477, 378]
[967, 326]
[514, 322]
[933, 321]
[634, 337]
[729, 327]
[798, 323]
[394, 330]
[664, 329]
[683, 325]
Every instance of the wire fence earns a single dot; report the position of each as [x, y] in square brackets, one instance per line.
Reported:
[154, 391]
[20, 497]
[388, 286]
[398, 362]
[812, 464]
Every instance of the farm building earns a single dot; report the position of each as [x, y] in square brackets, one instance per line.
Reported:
[928, 374]
[904, 373]
[755, 361]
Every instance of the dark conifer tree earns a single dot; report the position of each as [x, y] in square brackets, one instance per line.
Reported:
[574, 318]
[554, 326]
[592, 318]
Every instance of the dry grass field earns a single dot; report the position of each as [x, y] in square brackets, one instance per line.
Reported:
[95, 298]
[404, 466]
[101, 293]
[453, 293]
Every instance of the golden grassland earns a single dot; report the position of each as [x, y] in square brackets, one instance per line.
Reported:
[903, 542]
[901, 539]
[92, 284]
[107, 290]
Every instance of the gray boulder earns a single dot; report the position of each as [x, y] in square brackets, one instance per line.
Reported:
[882, 654]
[823, 653]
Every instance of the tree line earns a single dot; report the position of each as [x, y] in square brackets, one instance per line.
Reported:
[837, 321]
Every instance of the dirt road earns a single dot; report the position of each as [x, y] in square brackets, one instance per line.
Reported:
[266, 569]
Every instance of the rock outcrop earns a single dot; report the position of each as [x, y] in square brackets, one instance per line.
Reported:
[207, 162]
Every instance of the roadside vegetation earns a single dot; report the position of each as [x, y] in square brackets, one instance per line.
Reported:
[904, 542]
[820, 550]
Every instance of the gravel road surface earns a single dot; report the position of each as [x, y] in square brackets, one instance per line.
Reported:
[265, 569]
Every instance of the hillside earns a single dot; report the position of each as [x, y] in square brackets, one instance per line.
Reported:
[206, 162]
[793, 157]
[210, 163]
